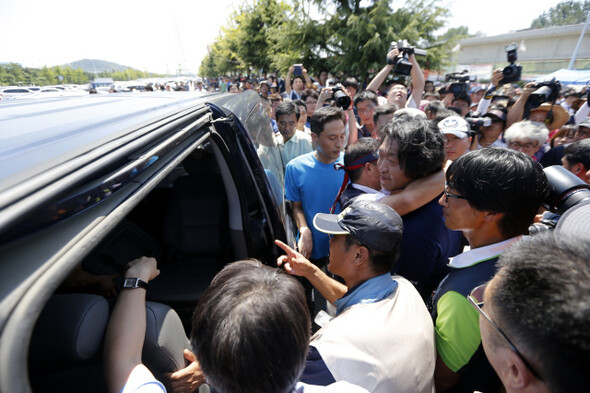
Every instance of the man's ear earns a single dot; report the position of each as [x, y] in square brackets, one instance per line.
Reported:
[578, 169]
[515, 375]
[362, 254]
[493, 216]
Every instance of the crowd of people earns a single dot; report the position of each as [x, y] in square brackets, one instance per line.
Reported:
[412, 206]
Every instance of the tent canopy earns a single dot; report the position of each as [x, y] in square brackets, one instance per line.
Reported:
[568, 77]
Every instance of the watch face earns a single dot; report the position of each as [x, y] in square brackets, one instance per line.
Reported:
[130, 283]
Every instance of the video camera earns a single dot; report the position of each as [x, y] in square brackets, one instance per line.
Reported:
[460, 88]
[566, 191]
[547, 91]
[513, 71]
[342, 99]
[476, 122]
[402, 64]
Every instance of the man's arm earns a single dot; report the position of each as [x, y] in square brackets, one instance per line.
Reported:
[126, 330]
[377, 81]
[305, 244]
[584, 110]
[485, 102]
[308, 83]
[288, 81]
[416, 194]
[516, 111]
[417, 80]
[297, 265]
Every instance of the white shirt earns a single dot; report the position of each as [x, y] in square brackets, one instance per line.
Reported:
[479, 254]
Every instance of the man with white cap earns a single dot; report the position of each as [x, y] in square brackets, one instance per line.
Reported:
[457, 135]
[382, 336]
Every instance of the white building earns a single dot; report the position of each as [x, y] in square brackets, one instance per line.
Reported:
[541, 51]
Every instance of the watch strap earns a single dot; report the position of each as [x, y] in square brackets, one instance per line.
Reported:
[133, 282]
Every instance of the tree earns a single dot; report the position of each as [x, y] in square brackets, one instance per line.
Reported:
[347, 37]
[565, 13]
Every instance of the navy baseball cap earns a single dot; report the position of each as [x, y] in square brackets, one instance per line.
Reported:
[373, 224]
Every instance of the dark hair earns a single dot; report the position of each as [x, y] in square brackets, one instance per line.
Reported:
[443, 114]
[380, 262]
[541, 300]
[465, 98]
[351, 82]
[287, 108]
[366, 95]
[309, 93]
[360, 148]
[251, 329]
[299, 77]
[564, 130]
[325, 115]
[434, 107]
[577, 152]
[431, 94]
[501, 181]
[385, 109]
[420, 145]
[300, 103]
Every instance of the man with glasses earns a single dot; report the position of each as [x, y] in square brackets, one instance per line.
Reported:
[526, 136]
[365, 104]
[492, 196]
[534, 320]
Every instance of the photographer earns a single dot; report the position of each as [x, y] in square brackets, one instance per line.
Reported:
[538, 114]
[294, 86]
[489, 94]
[398, 94]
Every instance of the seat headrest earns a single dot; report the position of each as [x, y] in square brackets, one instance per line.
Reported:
[70, 328]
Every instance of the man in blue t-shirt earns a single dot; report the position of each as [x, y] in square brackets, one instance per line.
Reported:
[312, 183]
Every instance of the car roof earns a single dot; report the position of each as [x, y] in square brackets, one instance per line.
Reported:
[42, 139]
[37, 136]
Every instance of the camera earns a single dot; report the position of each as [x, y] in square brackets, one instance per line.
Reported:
[476, 122]
[340, 97]
[459, 88]
[513, 71]
[402, 64]
[545, 92]
[566, 191]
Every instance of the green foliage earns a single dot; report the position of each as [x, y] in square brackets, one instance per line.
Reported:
[565, 13]
[348, 37]
[15, 74]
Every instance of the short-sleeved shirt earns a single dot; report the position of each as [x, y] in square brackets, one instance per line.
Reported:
[458, 338]
[316, 186]
[298, 145]
[141, 380]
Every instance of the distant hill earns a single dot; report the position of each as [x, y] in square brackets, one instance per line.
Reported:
[92, 65]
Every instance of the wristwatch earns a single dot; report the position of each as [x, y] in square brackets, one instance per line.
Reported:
[131, 283]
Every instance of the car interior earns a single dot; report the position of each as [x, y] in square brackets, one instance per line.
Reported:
[192, 224]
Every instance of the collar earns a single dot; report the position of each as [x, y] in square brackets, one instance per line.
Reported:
[367, 190]
[371, 291]
[477, 255]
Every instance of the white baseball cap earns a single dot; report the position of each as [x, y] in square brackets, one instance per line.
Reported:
[455, 125]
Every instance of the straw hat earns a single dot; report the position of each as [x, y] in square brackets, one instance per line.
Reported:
[560, 116]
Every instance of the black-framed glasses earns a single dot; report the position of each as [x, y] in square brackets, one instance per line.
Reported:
[449, 195]
[476, 300]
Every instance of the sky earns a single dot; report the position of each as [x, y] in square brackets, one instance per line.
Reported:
[161, 36]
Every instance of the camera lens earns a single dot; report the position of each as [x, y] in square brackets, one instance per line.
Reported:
[540, 95]
[342, 100]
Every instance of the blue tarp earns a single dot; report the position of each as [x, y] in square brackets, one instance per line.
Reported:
[568, 77]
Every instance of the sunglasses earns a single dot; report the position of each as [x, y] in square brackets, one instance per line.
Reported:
[449, 195]
[476, 300]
